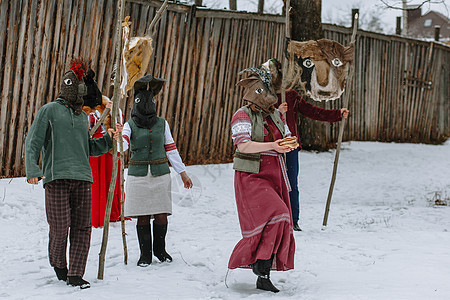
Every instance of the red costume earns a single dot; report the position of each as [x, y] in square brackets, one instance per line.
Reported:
[262, 201]
[101, 167]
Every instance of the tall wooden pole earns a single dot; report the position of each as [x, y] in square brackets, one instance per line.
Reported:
[341, 129]
[115, 100]
[287, 34]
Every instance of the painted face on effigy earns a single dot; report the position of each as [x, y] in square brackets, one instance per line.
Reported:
[323, 65]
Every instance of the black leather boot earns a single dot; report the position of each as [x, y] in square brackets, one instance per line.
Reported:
[159, 242]
[264, 283]
[78, 281]
[61, 273]
[261, 268]
[145, 245]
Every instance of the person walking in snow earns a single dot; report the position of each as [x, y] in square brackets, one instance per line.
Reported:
[61, 131]
[293, 106]
[261, 185]
[148, 185]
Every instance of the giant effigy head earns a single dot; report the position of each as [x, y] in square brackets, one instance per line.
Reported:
[317, 69]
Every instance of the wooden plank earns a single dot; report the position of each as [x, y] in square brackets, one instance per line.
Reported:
[33, 107]
[73, 28]
[170, 39]
[7, 84]
[43, 85]
[210, 101]
[19, 167]
[183, 92]
[190, 119]
[79, 30]
[3, 29]
[54, 51]
[142, 27]
[218, 126]
[105, 44]
[97, 18]
[200, 101]
[64, 42]
[19, 100]
[175, 102]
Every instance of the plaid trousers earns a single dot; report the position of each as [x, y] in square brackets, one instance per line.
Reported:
[68, 206]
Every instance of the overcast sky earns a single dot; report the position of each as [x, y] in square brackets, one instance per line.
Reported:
[339, 11]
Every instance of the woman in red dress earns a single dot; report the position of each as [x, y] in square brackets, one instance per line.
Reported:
[261, 186]
[101, 166]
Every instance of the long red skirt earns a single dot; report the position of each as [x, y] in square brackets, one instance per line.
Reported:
[101, 167]
[264, 211]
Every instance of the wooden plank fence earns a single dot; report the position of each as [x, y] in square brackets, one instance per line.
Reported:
[400, 93]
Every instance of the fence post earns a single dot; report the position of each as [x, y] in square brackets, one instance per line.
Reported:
[354, 12]
[437, 30]
[260, 7]
[233, 5]
[198, 3]
[398, 27]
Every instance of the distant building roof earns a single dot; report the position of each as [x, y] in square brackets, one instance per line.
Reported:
[423, 26]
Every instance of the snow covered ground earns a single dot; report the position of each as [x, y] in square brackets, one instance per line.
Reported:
[385, 239]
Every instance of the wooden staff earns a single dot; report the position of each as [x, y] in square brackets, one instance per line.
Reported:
[115, 100]
[158, 15]
[341, 129]
[100, 121]
[122, 197]
[285, 60]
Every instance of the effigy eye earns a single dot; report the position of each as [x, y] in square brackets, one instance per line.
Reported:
[308, 63]
[337, 62]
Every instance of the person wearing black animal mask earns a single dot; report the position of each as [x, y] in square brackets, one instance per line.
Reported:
[60, 132]
[94, 105]
[148, 186]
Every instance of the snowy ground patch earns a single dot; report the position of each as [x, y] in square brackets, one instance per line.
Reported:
[385, 238]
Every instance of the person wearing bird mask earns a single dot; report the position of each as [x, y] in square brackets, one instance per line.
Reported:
[60, 136]
[148, 185]
[261, 183]
[94, 105]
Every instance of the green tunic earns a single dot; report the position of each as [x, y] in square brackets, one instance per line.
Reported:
[147, 148]
[62, 138]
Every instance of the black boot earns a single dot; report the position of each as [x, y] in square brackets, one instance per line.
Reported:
[145, 245]
[261, 268]
[61, 273]
[78, 281]
[296, 227]
[159, 242]
[264, 283]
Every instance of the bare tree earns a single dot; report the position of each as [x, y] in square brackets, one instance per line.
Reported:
[370, 17]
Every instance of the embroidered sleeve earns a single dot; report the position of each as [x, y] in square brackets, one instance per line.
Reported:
[172, 152]
[241, 127]
[126, 134]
